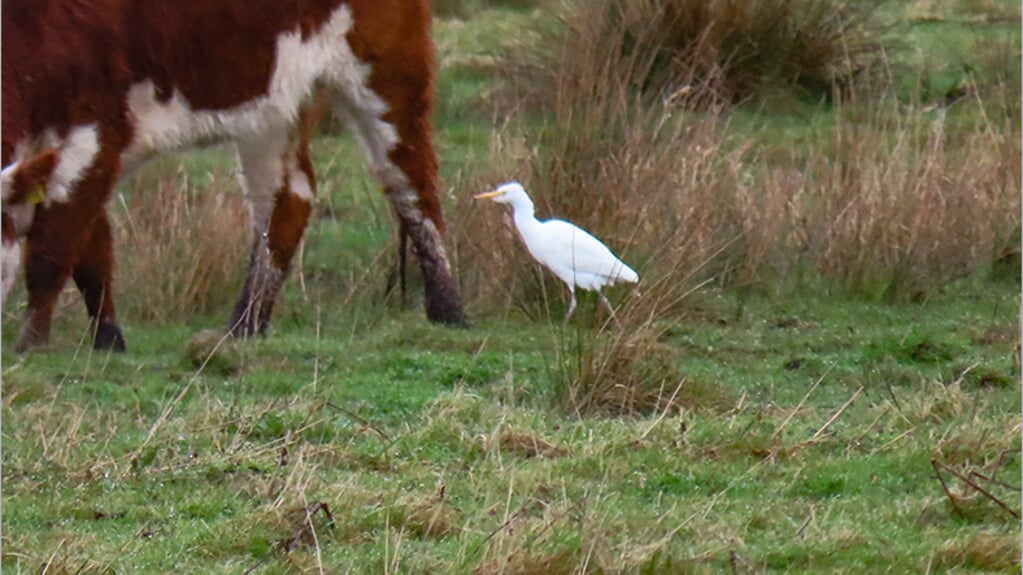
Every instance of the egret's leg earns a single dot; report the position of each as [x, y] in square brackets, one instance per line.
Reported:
[571, 305]
[610, 310]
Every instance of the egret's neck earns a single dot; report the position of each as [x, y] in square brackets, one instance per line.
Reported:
[523, 212]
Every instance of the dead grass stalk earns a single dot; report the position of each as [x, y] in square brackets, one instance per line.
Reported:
[181, 244]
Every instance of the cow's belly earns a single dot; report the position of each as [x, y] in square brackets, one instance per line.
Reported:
[300, 66]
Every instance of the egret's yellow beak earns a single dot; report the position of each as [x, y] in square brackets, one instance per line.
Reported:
[487, 195]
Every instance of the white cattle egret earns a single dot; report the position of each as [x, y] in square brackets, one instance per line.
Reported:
[572, 253]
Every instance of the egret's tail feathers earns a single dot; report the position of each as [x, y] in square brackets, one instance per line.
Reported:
[623, 273]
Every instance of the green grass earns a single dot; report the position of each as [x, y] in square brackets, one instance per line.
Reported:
[376, 422]
[802, 440]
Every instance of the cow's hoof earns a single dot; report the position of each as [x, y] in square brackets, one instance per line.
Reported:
[109, 337]
[443, 304]
[31, 340]
[446, 315]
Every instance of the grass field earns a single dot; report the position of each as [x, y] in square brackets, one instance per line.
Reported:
[762, 417]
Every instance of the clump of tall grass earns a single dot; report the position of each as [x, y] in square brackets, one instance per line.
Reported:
[735, 48]
[902, 199]
[180, 245]
[982, 551]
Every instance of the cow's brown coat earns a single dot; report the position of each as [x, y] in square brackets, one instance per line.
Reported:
[70, 63]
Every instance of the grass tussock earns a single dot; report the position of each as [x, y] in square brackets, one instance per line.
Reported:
[900, 202]
[211, 350]
[181, 246]
[729, 51]
[305, 524]
[983, 551]
[527, 444]
[432, 517]
[626, 364]
[618, 373]
[526, 563]
[540, 537]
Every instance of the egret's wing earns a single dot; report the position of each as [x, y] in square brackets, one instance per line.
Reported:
[569, 249]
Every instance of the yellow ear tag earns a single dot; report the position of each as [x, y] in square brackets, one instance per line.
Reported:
[37, 195]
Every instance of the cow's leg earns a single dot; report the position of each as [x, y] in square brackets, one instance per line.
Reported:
[279, 185]
[416, 205]
[10, 256]
[55, 240]
[93, 274]
[392, 122]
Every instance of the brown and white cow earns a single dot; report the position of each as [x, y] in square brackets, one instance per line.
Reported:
[109, 83]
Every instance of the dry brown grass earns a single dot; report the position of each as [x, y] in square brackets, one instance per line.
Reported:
[626, 370]
[729, 50]
[432, 516]
[963, 10]
[527, 563]
[180, 244]
[527, 444]
[983, 551]
[900, 199]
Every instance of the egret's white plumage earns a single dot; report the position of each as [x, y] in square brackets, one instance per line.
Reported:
[572, 253]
